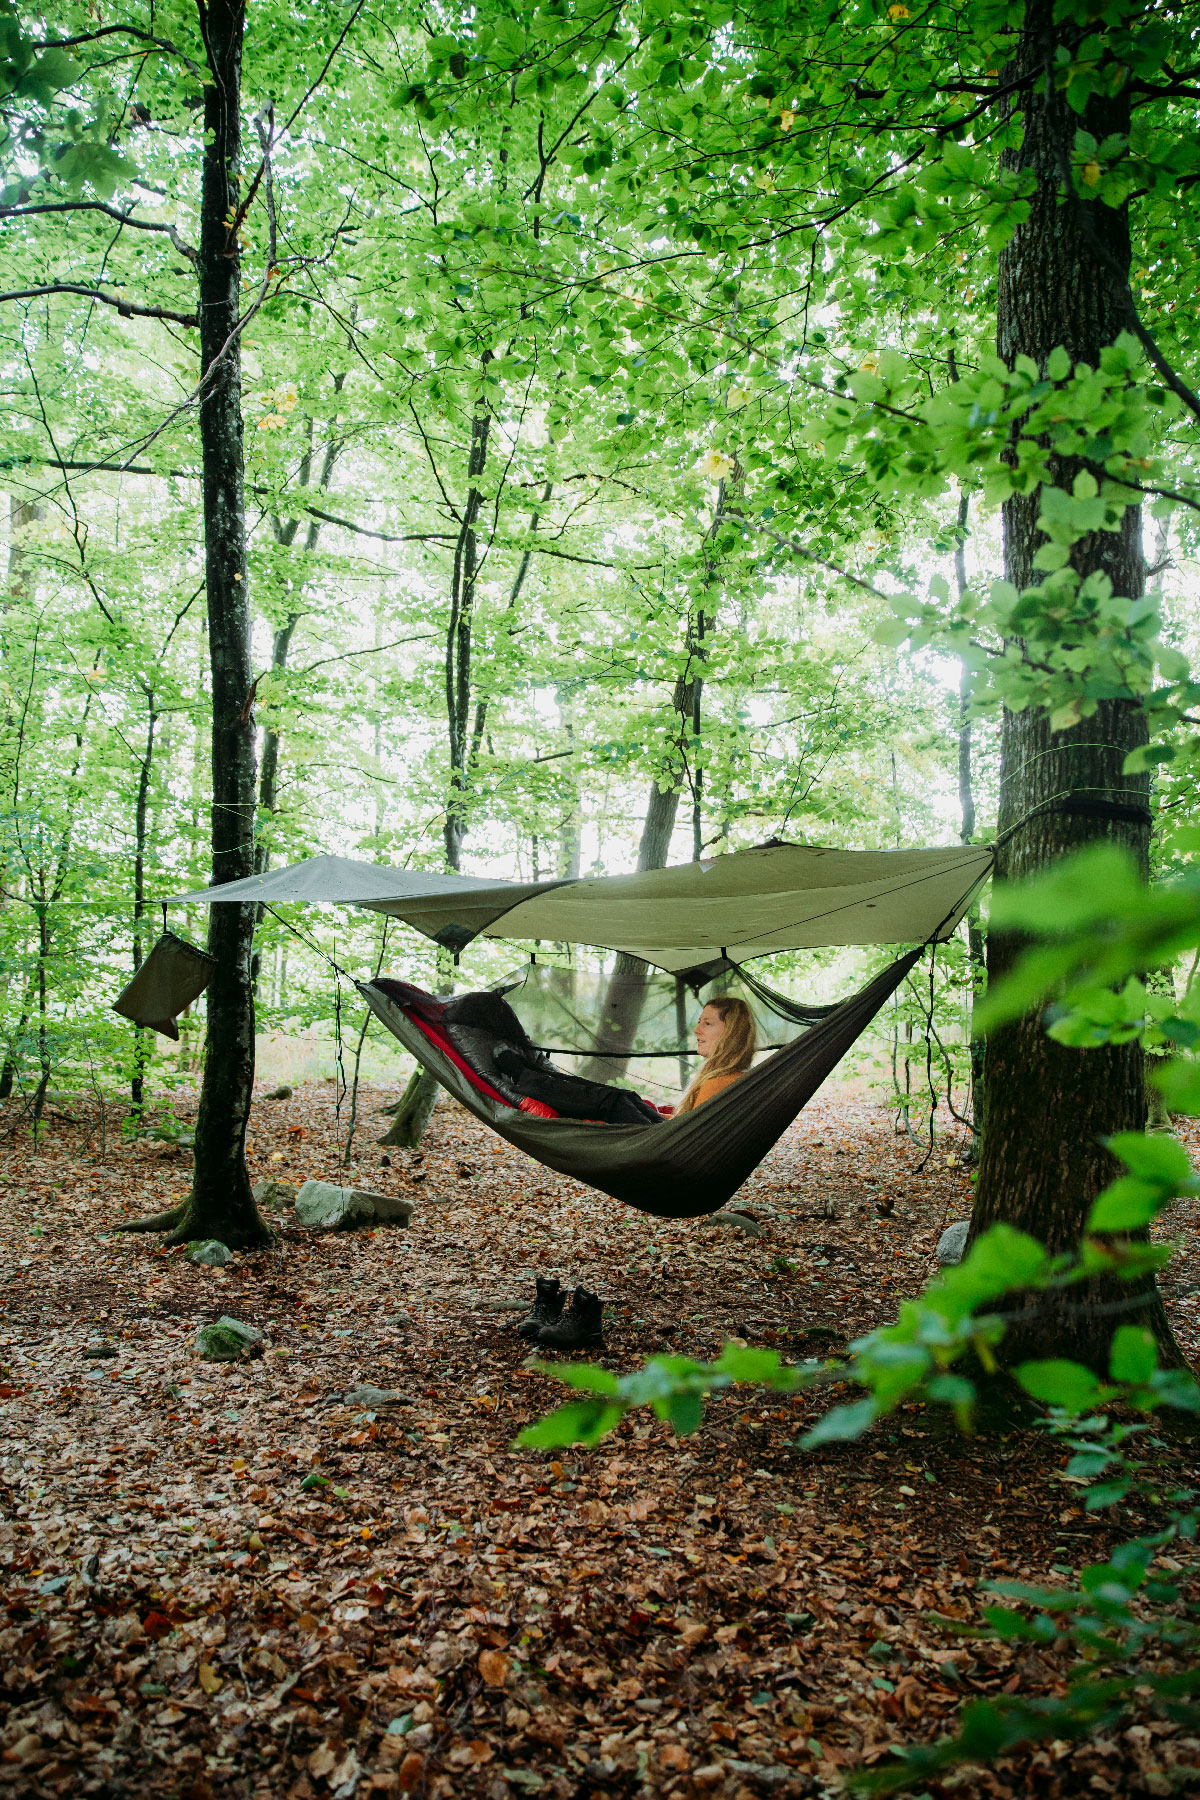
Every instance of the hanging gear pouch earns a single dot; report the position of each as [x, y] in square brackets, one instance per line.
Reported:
[171, 977]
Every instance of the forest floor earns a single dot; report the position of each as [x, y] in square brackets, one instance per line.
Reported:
[190, 1614]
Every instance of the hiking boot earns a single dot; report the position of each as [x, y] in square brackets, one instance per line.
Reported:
[547, 1308]
[579, 1327]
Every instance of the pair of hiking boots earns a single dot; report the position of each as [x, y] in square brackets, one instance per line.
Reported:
[562, 1321]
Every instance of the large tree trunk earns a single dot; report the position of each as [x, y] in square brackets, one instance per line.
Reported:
[221, 1204]
[1046, 1107]
[976, 942]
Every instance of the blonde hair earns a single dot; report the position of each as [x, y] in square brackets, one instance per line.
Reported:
[735, 1046]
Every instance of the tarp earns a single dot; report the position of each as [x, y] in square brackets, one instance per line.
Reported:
[748, 903]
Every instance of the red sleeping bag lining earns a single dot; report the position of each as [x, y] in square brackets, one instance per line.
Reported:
[478, 1081]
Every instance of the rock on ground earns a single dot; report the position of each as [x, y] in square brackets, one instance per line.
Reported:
[210, 1253]
[268, 1192]
[952, 1244]
[323, 1206]
[365, 1393]
[739, 1221]
[226, 1339]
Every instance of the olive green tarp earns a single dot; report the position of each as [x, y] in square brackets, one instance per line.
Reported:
[689, 1165]
[723, 910]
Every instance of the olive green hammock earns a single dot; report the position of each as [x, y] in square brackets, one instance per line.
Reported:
[698, 923]
[687, 1165]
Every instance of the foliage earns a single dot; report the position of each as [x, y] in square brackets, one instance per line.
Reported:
[1123, 1620]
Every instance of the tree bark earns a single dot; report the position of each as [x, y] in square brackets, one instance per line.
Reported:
[976, 939]
[137, 1083]
[626, 992]
[459, 632]
[221, 1204]
[23, 515]
[1047, 1107]
[413, 1110]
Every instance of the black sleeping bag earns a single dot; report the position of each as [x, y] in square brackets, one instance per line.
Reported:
[487, 1033]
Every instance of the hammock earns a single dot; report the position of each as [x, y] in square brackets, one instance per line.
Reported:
[682, 1168]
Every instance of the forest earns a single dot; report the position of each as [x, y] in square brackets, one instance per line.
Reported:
[717, 481]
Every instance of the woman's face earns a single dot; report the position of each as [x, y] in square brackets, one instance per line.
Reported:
[710, 1029]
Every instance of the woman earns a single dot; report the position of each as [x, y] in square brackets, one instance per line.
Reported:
[726, 1039]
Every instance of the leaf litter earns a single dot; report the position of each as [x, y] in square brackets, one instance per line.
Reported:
[325, 1570]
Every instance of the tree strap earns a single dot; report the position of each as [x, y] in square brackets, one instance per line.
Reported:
[1083, 806]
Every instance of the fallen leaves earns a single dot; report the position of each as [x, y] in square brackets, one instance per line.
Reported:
[204, 1556]
[494, 1668]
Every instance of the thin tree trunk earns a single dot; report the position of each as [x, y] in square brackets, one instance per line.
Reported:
[416, 1104]
[221, 1204]
[284, 532]
[23, 515]
[48, 884]
[137, 1085]
[459, 631]
[1047, 1108]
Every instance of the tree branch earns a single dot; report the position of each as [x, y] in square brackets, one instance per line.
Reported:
[110, 212]
[145, 37]
[126, 308]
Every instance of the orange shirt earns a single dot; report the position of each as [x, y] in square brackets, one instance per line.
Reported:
[715, 1084]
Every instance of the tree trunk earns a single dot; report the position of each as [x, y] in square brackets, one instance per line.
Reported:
[221, 1204]
[458, 641]
[1046, 1107]
[413, 1110]
[976, 940]
[626, 992]
[284, 532]
[137, 1084]
[420, 1096]
[19, 579]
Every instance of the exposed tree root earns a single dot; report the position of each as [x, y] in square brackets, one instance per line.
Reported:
[163, 1221]
[242, 1239]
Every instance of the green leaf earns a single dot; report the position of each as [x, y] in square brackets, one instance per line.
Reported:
[1154, 1158]
[1060, 1383]
[743, 1363]
[685, 1412]
[1134, 1354]
[1009, 1624]
[841, 1424]
[1058, 364]
[579, 1422]
[588, 1376]
[1126, 1206]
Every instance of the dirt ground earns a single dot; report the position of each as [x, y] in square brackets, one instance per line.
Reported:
[224, 1580]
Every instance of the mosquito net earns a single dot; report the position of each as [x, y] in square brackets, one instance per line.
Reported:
[625, 1022]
